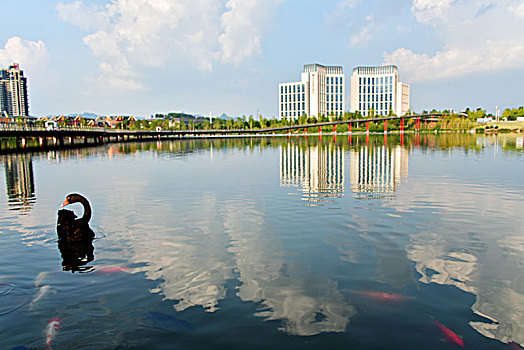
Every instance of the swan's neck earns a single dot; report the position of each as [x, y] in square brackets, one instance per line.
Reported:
[87, 210]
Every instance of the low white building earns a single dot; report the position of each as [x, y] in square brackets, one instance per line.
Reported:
[378, 89]
[320, 91]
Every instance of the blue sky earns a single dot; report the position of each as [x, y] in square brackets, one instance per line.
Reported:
[141, 57]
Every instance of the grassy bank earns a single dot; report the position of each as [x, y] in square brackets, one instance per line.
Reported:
[509, 126]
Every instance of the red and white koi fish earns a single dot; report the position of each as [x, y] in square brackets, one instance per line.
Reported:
[50, 331]
[451, 336]
[113, 269]
[43, 291]
[382, 296]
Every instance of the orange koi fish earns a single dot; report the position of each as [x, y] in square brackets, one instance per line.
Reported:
[382, 296]
[113, 269]
[451, 336]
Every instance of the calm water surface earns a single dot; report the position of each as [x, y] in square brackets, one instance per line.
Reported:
[363, 243]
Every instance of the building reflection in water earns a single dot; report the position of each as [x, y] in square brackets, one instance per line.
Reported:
[19, 181]
[318, 169]
[376, 171]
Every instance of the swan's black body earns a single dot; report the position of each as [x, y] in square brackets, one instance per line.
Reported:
[70, 228]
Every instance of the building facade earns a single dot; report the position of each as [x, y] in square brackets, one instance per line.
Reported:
[320, 91]
[13, 92]
[378, 90]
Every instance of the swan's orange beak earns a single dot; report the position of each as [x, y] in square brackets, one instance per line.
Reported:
[66, 202]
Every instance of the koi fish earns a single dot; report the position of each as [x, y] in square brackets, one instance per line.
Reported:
[40, 278]
[382, 296]
[113, 269]
[451, 336]
[514, 345]
[51, 330]
[41, 293]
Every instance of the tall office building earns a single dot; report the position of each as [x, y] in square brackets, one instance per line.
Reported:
[378, 89]
[13, 92]
[320, 91]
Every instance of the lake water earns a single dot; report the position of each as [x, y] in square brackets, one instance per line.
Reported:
[363, 242]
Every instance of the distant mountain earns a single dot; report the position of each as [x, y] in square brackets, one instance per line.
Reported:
[83, 115]
[86, 115]
[225, 116]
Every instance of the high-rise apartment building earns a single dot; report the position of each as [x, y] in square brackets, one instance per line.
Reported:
[13, 92]
[378, 89]
[320, 91]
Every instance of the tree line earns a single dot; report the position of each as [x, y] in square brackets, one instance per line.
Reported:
[182, 121]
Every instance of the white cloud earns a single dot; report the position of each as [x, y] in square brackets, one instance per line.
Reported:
[128, 36]
[456, 61]
[87, 18]
[363, 37]
[517, 9]
[428, 11]
[243, 26]
[350, 3]
[472, 40]
[28, 54]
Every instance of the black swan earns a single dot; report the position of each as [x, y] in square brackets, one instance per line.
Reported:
[70, 228]
[75, 237]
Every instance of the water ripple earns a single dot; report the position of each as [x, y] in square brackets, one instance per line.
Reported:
[12, 298]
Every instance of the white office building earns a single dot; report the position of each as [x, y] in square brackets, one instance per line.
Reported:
[13, 92]
[320, 91]
[378, 89]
